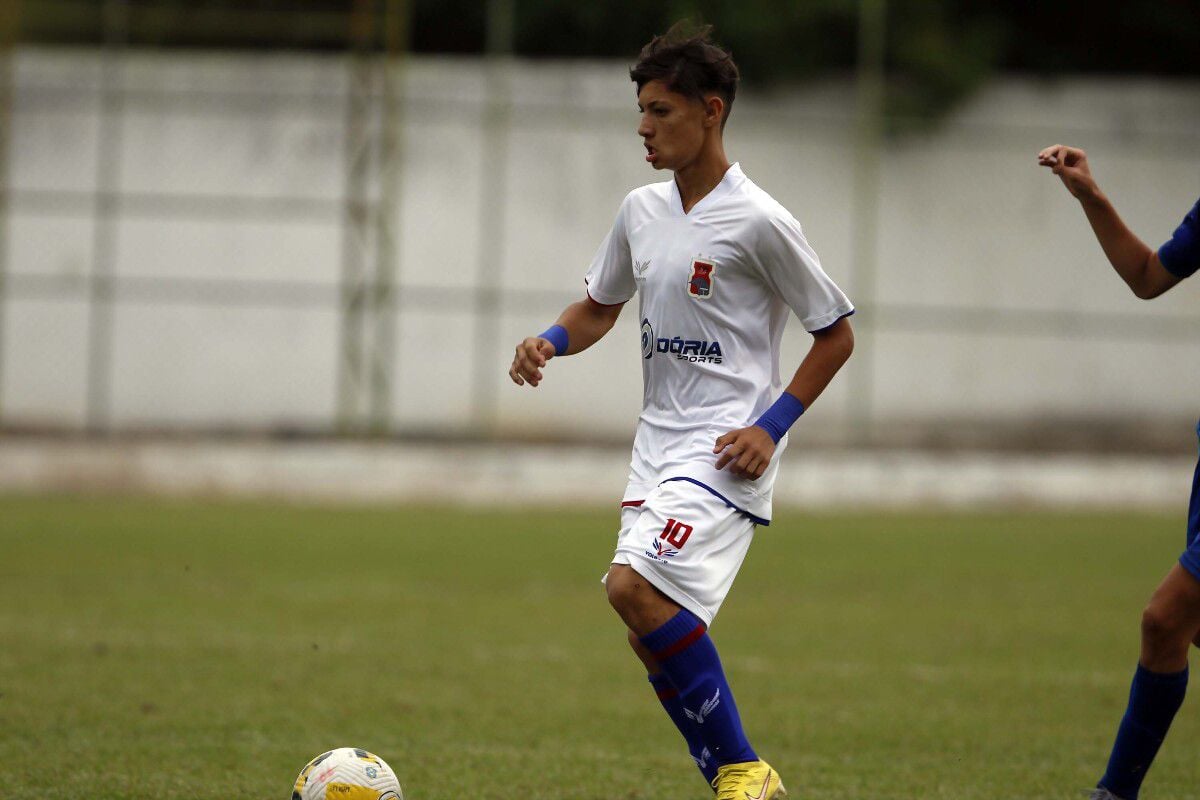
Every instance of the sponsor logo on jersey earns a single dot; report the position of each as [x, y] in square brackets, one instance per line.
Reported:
[640, 267]
[700, 282]
[693, 350]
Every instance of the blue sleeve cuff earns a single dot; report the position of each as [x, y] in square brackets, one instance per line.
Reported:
[782, 414]
[557, 336]
[1180, 255]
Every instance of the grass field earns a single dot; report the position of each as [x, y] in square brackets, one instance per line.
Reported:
[158, 649]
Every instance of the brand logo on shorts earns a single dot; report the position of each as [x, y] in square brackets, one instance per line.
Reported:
[700, 282]
[672, 539]
[661, 551]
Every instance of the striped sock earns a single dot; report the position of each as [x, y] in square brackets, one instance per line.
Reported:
[668, 695]
[689, 659]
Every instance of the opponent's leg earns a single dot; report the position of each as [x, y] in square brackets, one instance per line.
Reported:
[668, 695]
[1169, 624]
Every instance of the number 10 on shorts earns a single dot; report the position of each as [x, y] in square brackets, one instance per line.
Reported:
[676, 533]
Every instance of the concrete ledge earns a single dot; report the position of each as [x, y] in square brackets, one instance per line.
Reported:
[514, 475]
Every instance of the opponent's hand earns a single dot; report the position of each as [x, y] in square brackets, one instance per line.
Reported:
[1071, 165]
[532, 355]
[746, 451]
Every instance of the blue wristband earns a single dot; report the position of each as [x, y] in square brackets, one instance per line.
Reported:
[557, 336]
[782, 414]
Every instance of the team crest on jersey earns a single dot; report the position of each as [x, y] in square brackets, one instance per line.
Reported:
[700, 282]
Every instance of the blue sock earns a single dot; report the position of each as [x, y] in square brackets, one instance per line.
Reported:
[688, 658]
[1153, 700]
[668, 695]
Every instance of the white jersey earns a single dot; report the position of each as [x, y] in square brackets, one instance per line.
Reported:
[715, 286]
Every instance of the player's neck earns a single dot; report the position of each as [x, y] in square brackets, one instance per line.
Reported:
[697, 179]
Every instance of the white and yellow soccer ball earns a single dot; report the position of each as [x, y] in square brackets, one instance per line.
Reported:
[347, 773]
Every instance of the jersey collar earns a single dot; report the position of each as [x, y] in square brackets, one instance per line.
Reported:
[733, 176]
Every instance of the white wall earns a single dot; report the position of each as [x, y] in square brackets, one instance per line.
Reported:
[990, 303]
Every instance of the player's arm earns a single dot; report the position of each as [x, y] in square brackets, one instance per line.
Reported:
[577, 328]
[748, 451]
[1136, 263]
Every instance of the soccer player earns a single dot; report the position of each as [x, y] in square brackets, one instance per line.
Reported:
[716, 264]
[1171, 621]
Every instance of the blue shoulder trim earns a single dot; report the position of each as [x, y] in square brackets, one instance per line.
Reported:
[723, 499]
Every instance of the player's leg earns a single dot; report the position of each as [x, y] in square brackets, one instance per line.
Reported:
[672, 703]
[673, 568]
[678, 641]
[1170, 622]
[661, 609]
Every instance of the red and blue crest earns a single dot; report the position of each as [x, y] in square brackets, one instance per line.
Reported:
[700, 282]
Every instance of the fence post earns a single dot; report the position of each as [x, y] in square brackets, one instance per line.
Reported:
[10, 14]
[493, 214]
[106, 207]
[868, 139]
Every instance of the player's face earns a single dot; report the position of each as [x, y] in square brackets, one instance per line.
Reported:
[672, 126]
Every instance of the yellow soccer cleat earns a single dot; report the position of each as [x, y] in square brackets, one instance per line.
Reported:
[749, 780]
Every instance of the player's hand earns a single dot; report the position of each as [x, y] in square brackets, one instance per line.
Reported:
[1071, 165]
[532, 355]
[746, 451]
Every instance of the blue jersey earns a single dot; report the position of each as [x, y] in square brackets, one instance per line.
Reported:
[1181, 253]
[1181, 256]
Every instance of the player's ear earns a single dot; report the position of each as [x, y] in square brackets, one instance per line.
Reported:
[714, 110]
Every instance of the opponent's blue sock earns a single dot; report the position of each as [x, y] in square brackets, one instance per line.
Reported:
[668, 695]
[688, 658]
[1153, 700]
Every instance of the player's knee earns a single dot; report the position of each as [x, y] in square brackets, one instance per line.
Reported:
[1160, 630]
[627, 591]
[622, 592]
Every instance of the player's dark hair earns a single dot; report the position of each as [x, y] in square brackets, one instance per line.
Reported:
[687, 62]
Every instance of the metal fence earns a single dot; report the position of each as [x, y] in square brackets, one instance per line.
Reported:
[352, 242]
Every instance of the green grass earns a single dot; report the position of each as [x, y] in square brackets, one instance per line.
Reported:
[159, 649]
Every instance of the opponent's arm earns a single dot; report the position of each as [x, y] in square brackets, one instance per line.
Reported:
[583, 324]
[1134, 261]
[748, 451]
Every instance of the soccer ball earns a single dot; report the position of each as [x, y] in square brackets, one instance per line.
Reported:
[348, 773]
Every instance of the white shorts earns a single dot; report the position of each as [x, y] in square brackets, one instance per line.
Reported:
[686, 542]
